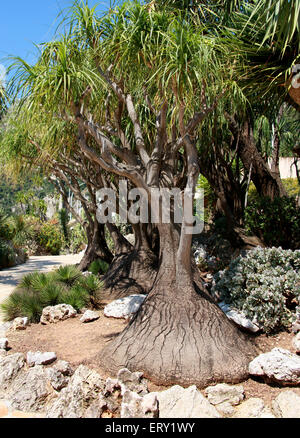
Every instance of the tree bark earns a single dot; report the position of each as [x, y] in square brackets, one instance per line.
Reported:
[96, 247]
[179, 336]
[267, 184]
[133, 269]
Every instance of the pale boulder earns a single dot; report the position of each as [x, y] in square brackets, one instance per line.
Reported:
[287, 405]
[124, 307]
[278, 365]
[38, 358]
[178, 402]
[89, 316]
[53, 314]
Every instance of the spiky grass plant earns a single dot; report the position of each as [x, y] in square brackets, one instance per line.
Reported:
[38, 290]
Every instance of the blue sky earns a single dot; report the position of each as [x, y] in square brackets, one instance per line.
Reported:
[24, 22]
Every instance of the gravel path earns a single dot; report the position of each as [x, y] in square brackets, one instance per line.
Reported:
[9, 278]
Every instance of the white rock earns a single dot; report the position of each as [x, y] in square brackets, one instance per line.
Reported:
[251, 408]
[222, 393]
[296, 342]
[84, 389]
[3, 343]
[124, 307]
[225, 408]
[29, 391]
[287, 405]
[10, 366]
[20, 323]
[38, 358]
[178, 402]
[52, 314]
[135, 406]
[89, 316]
[4, 328]
[239, 318]
[278, 365]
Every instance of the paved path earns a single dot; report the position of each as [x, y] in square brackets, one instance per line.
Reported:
[9, 278]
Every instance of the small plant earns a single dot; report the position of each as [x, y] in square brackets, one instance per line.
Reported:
[50, 238]
[98, 266]
[7, 254]
[264, 285]
[67, 275]
[38, 290]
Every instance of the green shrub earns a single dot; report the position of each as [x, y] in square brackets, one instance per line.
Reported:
[98, 266]
[67, 275]
[7, 254]
[77, 297]
[50, 238]
[264, 284]
[38, 290]
[290, 184]
[77, 239]
[276, 222]
[92, 285]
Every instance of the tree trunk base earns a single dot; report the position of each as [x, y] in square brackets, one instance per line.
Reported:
[180, 337]
[130, 273]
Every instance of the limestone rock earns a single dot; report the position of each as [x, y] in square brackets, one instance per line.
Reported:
[178, 402]
[135, 406]
[57, 380]
[89, 316]
[124, 307]
[3, 343]
[5, 327]
[287, 405]
[252, 408]
[20, 323]
[63, 367]
[223, 393]
[39, 358]
[10, 366]
[239, 318]
[296, 342]
[83, 390]
[133, 381]
[225, 409]
[30, 390]
[278, 365]
[52, 314]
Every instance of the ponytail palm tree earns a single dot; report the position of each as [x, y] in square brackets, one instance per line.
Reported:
[138, 86]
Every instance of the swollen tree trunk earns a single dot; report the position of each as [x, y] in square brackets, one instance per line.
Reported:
[96, 247]
[179, 336]
[133, 269]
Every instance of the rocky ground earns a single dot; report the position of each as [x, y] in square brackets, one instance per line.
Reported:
[70, 384]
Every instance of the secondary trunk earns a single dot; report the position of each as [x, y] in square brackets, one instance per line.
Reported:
[133, 269]
[96, 247]
[266, 183]
[179, 336]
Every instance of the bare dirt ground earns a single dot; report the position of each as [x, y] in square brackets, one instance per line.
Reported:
[80, 343]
